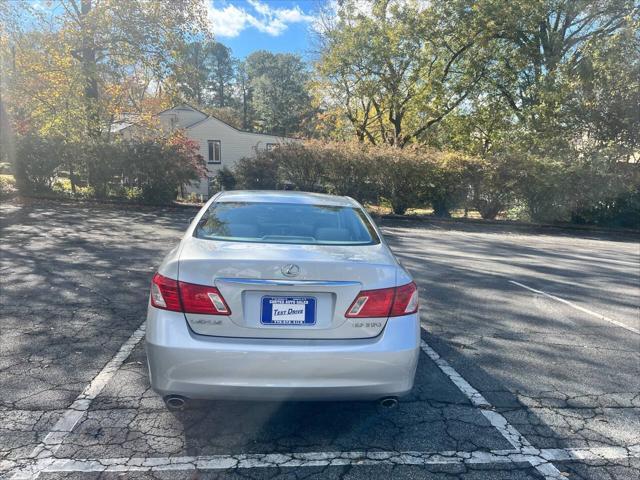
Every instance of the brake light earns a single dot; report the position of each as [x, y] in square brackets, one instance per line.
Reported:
[406, 300]
[385, 302]
[185, 297]
[202, 299]
[164, 293]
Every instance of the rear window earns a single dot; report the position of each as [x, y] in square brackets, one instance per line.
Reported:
[286, 223]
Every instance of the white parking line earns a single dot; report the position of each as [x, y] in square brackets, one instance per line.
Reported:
[578, 307]
[41, 459]
[497, 420]
[63, 427]
[323, 459]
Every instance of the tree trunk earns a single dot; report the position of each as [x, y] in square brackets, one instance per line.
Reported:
[440, 208]
[89, 71]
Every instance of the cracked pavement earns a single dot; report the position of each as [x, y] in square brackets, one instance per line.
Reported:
[74, 283]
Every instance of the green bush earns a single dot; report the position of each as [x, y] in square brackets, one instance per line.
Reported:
[132, 193]
[406, 178]
[149, 171]
[493, 181]
[592, 188]
[257, 173]
[158, 168]
[104, 163]
[351, 170]
[622, 211]
[225, 179]
[449, 182]
[541, 185]
[605, 193]
[300, 166]
[37, 161]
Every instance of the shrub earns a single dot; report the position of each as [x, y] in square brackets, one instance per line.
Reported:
[493, 181]
[605, 193]
[541, 184]
[448, 181]
[37, 160]
[160, 166]
[225, 179]
[300, 166]
[63, 187]
[403, 176]
[351, 170]
[149, 170]
[104, 163]
[193, 198]
[257, 173]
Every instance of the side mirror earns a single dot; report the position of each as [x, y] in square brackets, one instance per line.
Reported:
[190, 221]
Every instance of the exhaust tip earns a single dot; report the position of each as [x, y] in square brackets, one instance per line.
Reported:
[175, 402]
[388, 402]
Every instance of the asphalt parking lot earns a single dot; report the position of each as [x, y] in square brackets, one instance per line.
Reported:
[531, 364]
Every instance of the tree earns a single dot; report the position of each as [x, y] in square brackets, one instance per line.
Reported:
[558, 108]
[608, 113]
[400, 68]
[544, 49]
[244, 92]
[203, 72]
[279, 100]
[191, 72]
[221, 74]
[95, 59]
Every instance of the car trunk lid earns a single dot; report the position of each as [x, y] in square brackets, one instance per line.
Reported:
[261, 281]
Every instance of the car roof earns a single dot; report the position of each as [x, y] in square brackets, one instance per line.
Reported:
[278, 196]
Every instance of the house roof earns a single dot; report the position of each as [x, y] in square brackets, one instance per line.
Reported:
[183, 105]
[122, 126]
[119, 126]
[209, 116]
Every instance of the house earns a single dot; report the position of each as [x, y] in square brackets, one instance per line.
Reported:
[221, 145]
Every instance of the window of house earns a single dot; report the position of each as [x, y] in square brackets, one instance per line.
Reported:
[271, 146]
[215, 151]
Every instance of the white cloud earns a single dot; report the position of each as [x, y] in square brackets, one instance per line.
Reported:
[229, 19]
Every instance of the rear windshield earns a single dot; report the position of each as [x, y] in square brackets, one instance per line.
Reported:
[286, 223]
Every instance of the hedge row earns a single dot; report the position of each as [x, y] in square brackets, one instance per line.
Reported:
[538, 189]
[147, 171]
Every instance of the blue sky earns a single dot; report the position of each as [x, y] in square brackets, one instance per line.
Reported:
[276, 25]
[249, 25]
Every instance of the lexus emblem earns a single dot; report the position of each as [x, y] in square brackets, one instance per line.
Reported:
[290, 270]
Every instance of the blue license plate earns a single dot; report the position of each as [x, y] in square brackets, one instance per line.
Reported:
[288, 311]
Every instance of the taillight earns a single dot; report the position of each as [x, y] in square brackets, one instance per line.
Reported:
[164, 293]
[406, 300]
[385, 302]
[202, 299]
[185, 297]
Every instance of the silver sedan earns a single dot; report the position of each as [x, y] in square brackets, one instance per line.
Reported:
[282, 296]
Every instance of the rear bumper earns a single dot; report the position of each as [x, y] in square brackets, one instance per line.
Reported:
[196, 366]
